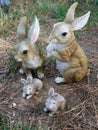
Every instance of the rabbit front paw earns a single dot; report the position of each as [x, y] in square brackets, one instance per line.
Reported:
[48, 54]
[50, 114]
[29, 96]
[59, 80]
[40, 75]
[21, 71]
[23, 95]
[45, 110]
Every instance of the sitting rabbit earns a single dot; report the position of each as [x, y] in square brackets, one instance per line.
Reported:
[26, 51]
[54, 102]
[31, 87]
[71, 60]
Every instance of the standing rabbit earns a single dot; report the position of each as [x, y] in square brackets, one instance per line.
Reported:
[26, 50]
[54, 102]
[71, 60]
[31, 87]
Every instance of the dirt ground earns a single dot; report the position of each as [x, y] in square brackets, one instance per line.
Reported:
[81, 111]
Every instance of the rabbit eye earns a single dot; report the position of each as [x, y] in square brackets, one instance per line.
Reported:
[25, 51]
[64, 34]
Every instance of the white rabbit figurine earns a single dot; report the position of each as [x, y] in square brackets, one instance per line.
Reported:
[26, 50]
[54, 102]
[71, 60]
[31, 87]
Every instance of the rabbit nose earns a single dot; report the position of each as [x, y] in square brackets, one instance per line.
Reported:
[17, 59]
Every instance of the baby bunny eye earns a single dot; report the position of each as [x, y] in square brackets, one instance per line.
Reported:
[64, 34]
[25, 51]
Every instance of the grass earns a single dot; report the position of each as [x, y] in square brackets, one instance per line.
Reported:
[5, 124]
[12, 65]
[45, 10]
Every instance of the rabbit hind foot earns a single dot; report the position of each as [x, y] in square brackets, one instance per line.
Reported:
[59, 80]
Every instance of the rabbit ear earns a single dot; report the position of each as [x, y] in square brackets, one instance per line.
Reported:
[29, 79]
[80, 22]
[70, 14]
[34, 31]
[22, 28]
[23, 81]
[55, 95]
[51, 91]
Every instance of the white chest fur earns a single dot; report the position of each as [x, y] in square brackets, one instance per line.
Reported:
[33, 63]
[53, 46]
[62, 66]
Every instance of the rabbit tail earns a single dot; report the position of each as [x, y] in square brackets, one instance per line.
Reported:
[75, 74]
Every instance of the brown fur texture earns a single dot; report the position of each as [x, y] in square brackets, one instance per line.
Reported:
[71, 60]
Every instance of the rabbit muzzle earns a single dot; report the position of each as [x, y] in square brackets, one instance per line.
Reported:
[18, 59]
[51, 109]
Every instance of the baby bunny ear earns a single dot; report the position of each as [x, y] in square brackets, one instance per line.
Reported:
[34, 30]
[51, 91]
[22, 28]
[23, 81]
[70, 14]
[80, 22]
[29, 79]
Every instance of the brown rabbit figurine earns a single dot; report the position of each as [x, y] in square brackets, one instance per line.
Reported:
[71, 60]
[26, 51]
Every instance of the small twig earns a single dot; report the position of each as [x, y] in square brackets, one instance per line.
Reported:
[94, 125]
[74, 108]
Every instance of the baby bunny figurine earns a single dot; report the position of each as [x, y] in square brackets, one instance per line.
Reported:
[71, 60]
[31, 87]
[54, 102]
[26, 51]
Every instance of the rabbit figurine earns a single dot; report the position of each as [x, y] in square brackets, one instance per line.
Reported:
[31, 87]
[71, 60]
[26, 51]
[54, 102]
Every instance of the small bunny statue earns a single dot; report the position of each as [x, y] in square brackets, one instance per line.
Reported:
[26, 50]
[54, 102]
[31, 87]
[71, 60]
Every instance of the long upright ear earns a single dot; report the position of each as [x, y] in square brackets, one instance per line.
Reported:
[70, 14]
[29, 79]
[51, 91]
[34, 31]
[22, 28]
[80, 22]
